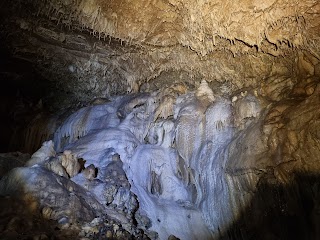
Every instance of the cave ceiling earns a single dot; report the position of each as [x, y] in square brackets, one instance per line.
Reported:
[96, 48]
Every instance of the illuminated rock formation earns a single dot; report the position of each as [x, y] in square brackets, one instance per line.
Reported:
[163, 119]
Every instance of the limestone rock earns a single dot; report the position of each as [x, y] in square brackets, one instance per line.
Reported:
[70, 162]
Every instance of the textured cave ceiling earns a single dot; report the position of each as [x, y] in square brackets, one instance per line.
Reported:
[97, 48]
[64, 54]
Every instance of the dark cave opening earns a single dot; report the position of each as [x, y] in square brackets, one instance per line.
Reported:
[21, 98]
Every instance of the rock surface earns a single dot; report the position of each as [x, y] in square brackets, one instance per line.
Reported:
[160, 119]
[193, 180]
[96, 49]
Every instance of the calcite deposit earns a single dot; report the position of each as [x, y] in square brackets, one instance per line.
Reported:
[162, 119]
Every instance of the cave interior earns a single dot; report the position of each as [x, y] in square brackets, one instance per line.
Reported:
[160, 119]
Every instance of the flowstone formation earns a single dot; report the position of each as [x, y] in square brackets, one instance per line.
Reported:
[188, 173]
